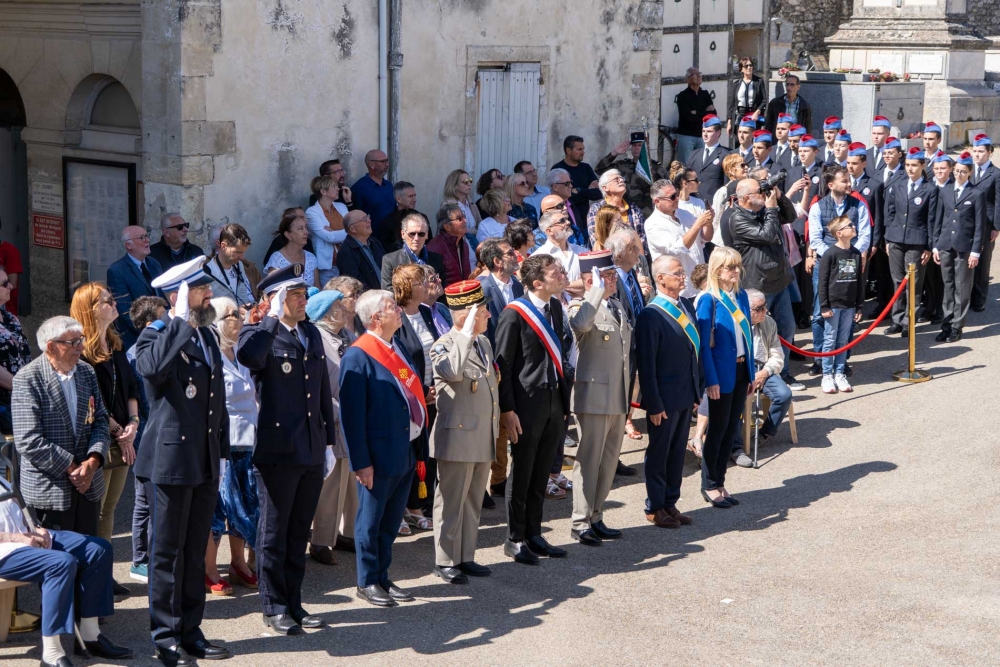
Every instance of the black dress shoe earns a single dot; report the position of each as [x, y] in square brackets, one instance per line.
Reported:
[397, 593]
[624, 470]
[175, 656]
[283, 624]
[978, 309]
[61, 662]
[321, 554]
[815, 369]
[587, 537]
[720, 502]
[604, 532]
[345, 544]
[905, 333]
[474, 569]
[893, 329]
[488, 502]
[119, 590]
[451, 575]
[499, 489]
[205, 650]
[942, 337]
[307, 620]
[796, 356]
[955, 336]
[103, 647]
[520, 552]
[732, 500]
[375, 595]
[923, 319]
[540, 546]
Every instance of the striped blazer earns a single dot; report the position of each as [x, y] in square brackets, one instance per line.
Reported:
[44, 437]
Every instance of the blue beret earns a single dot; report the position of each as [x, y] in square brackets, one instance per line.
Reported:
[319, 304]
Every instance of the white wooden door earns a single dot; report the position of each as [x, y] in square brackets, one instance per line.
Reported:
[508, 117]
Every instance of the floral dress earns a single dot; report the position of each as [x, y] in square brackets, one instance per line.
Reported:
[15, 353]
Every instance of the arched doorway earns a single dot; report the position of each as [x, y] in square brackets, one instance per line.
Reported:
[14, 184]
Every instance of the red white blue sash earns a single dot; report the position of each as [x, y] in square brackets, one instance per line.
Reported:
[542, 328]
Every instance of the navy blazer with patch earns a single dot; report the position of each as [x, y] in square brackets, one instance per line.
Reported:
[126, 284]
[671, 374]
[817, 189]
[710, 173]
[296, 421]
[495, 303]
[961, 225]
[910, 219]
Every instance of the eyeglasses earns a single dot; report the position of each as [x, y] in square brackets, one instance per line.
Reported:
[745, 65]
[849, 225]
[762, 308]
[385, 161]
[467, 181]
[110, 301]
[617, 179]
[675, 274]
[144, 237]
[414, 235]
[7, 284]
[672, 197]
[734, 267]
[510, 252]
[555, 207]
[183, 225]
[692, 180]
[568, 184]
[460, 218]
[231, 316]
[75, 342]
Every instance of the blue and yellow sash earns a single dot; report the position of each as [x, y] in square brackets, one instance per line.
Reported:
[664, 304]
[737, 314]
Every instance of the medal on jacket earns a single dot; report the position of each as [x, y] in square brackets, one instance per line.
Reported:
[475, 386]
[185, 358]
[286, 367]
[191, 390]
[91, 408]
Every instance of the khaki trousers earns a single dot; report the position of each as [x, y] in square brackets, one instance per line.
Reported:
[114, 484]
[498, 469]
[595, 466]
[337, 507]
[458, 502]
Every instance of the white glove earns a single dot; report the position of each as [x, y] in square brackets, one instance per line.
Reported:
[598, 280]
[278, 303]
[470, 321]
[181, 307]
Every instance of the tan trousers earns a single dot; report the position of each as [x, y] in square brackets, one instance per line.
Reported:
[498, 469]
[337, 507]
[458, 502]
[114, 484]
[595, 466]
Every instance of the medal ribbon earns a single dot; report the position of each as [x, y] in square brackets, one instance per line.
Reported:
[740, 319]
[681, 318]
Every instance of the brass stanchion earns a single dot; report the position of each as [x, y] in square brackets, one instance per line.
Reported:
[912, 374]
[20, 621]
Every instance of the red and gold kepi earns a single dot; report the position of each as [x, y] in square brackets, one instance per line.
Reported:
[465, 294]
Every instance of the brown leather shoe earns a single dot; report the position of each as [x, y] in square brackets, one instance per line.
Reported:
[663, 520]
[684, 519]
[322, 555]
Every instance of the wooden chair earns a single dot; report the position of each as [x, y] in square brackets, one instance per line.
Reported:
[7, 598]
[765, 405]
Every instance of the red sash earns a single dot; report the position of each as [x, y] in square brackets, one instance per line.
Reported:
[392, 362]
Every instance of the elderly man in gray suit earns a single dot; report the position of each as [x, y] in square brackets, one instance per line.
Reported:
[61, 431]
[467, 425]
[600, 394]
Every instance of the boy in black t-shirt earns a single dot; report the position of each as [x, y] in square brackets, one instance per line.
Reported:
[841, 294]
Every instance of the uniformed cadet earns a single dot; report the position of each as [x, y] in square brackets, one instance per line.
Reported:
[600, 394]
[185, 437]
[463, 435]
[285, 354]
[637, 188]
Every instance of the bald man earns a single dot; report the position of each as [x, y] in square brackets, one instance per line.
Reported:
[130, 277]
[555, 202]
[361, 254]
[373, 192]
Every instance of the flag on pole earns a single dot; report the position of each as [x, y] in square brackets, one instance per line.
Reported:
[642, 165]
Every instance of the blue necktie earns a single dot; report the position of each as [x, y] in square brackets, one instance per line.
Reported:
[633, 291]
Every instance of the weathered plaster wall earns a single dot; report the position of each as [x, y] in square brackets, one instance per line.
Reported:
[596, 84]
[299, 81]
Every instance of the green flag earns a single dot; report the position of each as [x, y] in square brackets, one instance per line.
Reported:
[642, 165]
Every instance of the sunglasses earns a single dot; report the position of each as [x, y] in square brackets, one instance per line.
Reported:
[556, 207]
[183, 225]
[7, 284]
[568, 184]
[231, 316]
[759, 309]
[467, 181]
[414, 235]
[672, 197]
[109, 301]
[692, 180]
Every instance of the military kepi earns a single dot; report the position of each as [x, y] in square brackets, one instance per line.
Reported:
[464, 294]
[290, 277]
[637, 137]
[190, 272]
[599, 259]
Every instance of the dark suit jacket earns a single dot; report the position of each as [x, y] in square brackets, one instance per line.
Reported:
[671, 378]
[871, 168]
[817, 189]
[990, 185]
[777, 105]
[906, 221]
[352, 262]
[879, 203]
[184, 437]
[783, 161]
[760, 98]
[296, 421]
[495, 303]
[374, 415]
[710, 173]
[523, 362]
[160, 251]
[399, 258]
[408, 339]
[126, 284]
[960, 225]
[866, 188]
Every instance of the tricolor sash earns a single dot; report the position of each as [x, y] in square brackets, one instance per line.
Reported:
[541, 326]
[737, 314]
[681, 318]
[399, 369]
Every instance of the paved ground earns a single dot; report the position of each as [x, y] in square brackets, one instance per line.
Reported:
[871, 542]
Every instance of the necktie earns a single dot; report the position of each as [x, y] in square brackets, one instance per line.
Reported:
[854, 184]
[550, 371]
[912, 187]
[146, 274]
[979, 174]
[615, 313]
[633, 292]
[708, 152]
[878, 156]
[958, 193]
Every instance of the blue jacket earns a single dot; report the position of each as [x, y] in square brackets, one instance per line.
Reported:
[720, 361]
[374, 415]
[671, 377]
[126, 284]
[495, 304]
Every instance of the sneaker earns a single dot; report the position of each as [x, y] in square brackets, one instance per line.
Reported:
[842, 384]
[829, 386]
[139, 572]
[815, 369]
[744, 461]
[795, 385]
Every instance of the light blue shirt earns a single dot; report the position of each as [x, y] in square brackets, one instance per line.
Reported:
[862, 241]
[536, 199]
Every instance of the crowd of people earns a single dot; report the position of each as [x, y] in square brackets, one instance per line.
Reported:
[383, 374]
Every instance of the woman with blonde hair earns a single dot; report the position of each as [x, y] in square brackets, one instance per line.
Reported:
[727, 352]
[495, 204]
[736, 169]
[517, 189]
[94, 308]
[607, 221]
[457, 188]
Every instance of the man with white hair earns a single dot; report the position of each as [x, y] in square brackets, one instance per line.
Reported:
[612, 186]
[683, 237]
[61, 434]
[555, 226]
[130, 278]
[637, 187]
[383, 414]
[173, 248]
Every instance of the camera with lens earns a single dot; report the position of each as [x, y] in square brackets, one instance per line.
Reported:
[768, 184]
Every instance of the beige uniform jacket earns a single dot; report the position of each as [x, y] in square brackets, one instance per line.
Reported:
[602, 368]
